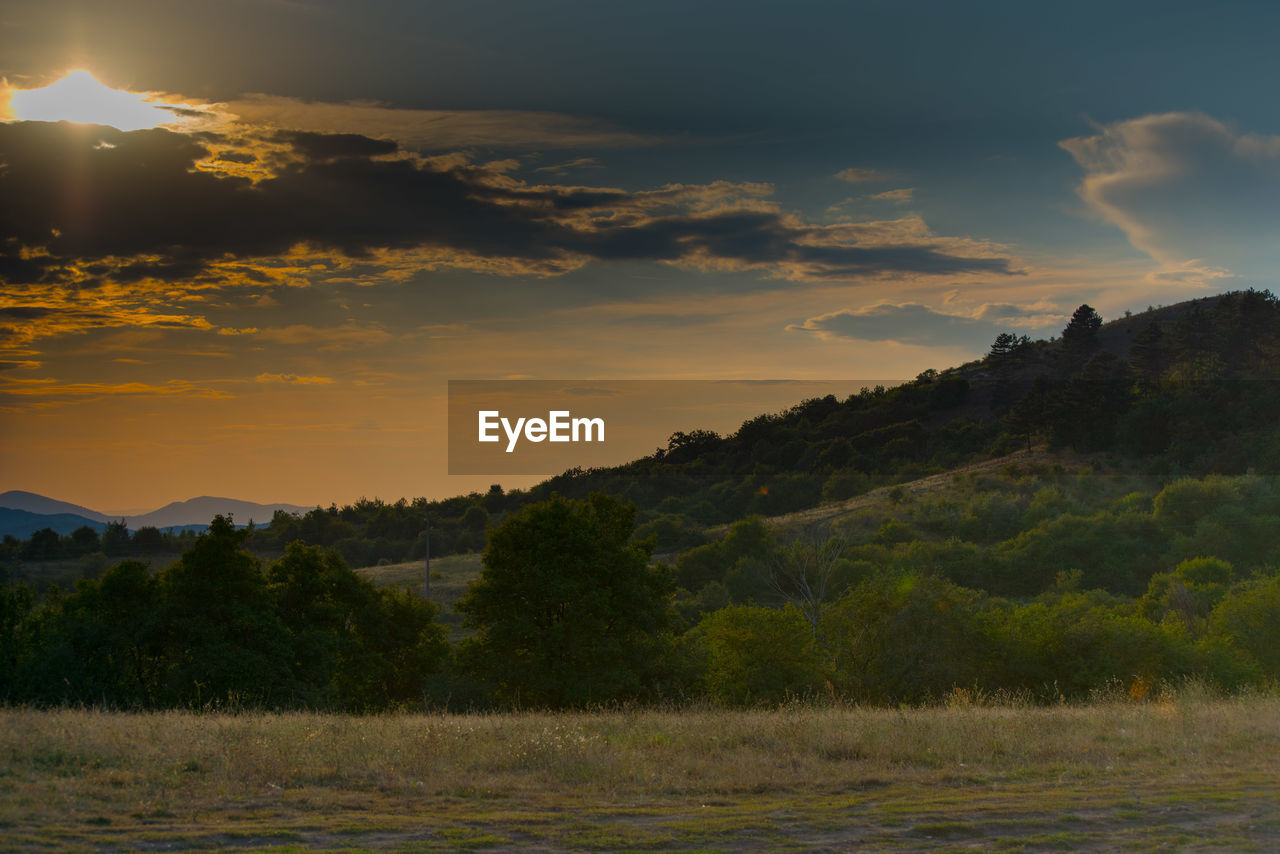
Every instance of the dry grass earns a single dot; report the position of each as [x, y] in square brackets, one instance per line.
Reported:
[1038, 457]
[1186, 771]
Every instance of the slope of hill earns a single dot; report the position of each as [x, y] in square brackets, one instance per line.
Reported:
[198, 511]
[22, 523]
[16, 499]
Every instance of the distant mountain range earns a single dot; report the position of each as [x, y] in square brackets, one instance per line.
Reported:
[22, 513]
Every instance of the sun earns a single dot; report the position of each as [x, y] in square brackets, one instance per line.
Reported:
[79, 97]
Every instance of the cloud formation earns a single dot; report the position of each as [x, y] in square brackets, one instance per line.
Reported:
[435, 130]
[45, 393]
[912, 323]
[902, 196]
[1200, 198]
[860, 175]
[293, 379]
[130, 216]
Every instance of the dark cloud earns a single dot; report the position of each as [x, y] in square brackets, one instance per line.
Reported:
[85, 201]
[25, 312]
[326, 146]
[237, 157]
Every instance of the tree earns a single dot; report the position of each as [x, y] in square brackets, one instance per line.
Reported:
[103, 642]
[802, 571]
[218, 621]
[353, 645]
[84, 540]
[751, 654]
[1081, 334]
[43, 545]
[904, 638]
[148, 540]
[1092, 403]
[1147, 355]
[567, 611]
[115, 538]
[1005, 345]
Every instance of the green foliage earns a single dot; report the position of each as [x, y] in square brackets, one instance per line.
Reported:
[353, 645]
[1181, 504]
[750, 654]
[17, 644]
[671, 532]
[226, 642]
[747, 540]
[1075, 643]
[1112, 552]
[214, 630]
[1249, 620]
[567, 612]
[399, 647]
[1188, 593]
[107, 639]
[904, 638]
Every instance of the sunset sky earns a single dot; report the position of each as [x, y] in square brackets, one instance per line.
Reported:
[331, 209]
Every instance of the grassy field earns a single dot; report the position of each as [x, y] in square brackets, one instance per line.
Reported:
[1185, 772]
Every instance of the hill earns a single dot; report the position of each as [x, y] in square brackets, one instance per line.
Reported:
[1047, 523]
[1183, 389]
[22, 523]
[1187, 388]
[198, 511]
[16, 499]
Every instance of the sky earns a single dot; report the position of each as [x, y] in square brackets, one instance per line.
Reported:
[252, 261]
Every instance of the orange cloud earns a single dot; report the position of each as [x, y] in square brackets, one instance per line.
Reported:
[292, 379]
[46, 392]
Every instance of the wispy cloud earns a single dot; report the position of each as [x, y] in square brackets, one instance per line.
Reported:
[44, 392]
[326, 339]
[861, 175]
[913, 323]
[1188, 190]
[293, 379]
[902, 196]
[561, 169]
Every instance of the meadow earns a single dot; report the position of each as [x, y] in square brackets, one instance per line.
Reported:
[1185, 770]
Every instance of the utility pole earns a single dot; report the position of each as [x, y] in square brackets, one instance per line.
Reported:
[427, 547]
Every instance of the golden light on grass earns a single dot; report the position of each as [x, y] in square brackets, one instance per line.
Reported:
[79, 97]
[1185, 770]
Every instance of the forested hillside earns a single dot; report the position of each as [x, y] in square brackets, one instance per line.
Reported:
[1137, 545]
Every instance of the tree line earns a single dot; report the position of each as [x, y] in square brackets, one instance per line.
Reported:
[569, 611]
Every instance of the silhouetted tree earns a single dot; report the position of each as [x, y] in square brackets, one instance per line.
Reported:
[84, 540]
[115, 538]
[1081, 334]
[148, 540]
[225, 641]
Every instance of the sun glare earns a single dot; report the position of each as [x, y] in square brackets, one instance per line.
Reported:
[79, 97]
